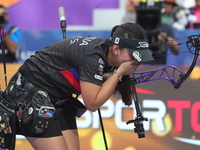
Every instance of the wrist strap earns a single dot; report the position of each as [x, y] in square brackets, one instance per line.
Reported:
[118, 75]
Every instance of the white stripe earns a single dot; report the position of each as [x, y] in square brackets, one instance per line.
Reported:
[189, 141]
[14, 30]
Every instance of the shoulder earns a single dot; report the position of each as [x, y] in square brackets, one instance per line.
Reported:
[13, 29]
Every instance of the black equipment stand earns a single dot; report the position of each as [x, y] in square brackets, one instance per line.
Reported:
[2, 46]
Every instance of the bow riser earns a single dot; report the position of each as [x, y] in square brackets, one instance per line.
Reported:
[169, 73]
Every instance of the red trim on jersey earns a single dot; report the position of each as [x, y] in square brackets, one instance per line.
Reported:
[72, 79]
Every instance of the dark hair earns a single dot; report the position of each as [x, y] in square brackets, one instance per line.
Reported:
[1, 6]
[130, 31]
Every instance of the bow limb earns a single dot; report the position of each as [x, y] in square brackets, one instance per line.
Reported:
[194, 41]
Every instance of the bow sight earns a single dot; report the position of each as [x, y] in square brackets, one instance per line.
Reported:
[139, 129]
[138, 122]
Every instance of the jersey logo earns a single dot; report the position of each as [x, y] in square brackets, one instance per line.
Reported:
[86, 40]
[101, 61]
[98, 77]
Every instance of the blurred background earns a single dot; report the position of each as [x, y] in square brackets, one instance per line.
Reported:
[169, 127]
[39, 21]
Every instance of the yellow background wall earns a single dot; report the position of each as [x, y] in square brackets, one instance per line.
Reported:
[10, 70]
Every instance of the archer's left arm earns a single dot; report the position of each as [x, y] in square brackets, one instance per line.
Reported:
[12, 46]
[13, 39]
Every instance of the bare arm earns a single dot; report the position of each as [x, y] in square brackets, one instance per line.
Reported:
[131, 5]
[95, 96]
[11, 45]
[172, 43]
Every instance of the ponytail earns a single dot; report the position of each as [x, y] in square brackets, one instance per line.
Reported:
[125, 89]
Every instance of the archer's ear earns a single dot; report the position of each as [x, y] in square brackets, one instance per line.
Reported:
[116, 49]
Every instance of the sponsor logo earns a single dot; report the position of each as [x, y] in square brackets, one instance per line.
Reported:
[98, 77]
[143, 45]
[101, 66]
[116, 40]
[100, 70]
[137, 56]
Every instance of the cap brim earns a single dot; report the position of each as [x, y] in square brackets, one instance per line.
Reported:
[144, 54]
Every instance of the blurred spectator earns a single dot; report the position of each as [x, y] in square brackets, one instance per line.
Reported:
[12, 38]
[130, 14]
[174, 15]
[194, 17]
[164, 38]
[165, 41]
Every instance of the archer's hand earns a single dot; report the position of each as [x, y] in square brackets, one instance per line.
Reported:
[127, 68]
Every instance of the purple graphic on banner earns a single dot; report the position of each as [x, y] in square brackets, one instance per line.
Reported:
[43, 14]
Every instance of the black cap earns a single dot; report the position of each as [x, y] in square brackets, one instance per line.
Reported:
[139, 49]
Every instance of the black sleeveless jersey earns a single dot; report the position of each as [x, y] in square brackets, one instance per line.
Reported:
[60, 67]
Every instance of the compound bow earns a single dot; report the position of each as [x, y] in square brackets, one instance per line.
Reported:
[193, 45]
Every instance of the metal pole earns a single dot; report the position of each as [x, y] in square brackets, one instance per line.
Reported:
[2, 33]
[102, 128]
